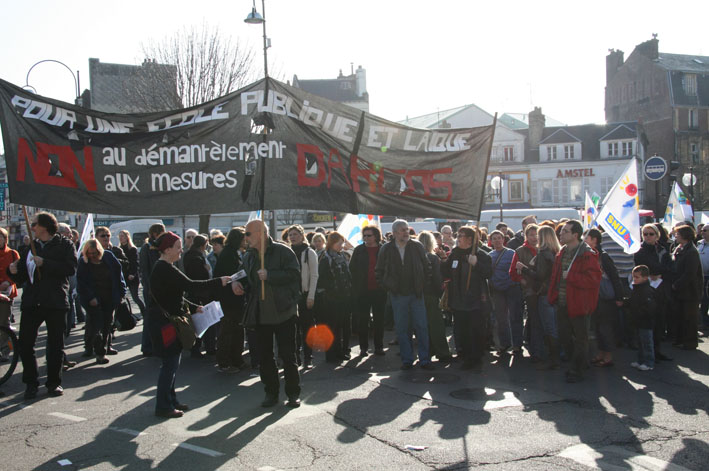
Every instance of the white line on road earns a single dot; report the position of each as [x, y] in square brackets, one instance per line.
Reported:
[73, 418]
[127, 431]
[198, 449]
[624, 458]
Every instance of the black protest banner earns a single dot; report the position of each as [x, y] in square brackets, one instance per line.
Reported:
[214, 158]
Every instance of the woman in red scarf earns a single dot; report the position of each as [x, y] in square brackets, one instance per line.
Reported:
[8, 290]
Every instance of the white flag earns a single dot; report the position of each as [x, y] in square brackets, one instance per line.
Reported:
[620, 215]
[352, 225]
[254, 215]
[590, 213]
[678, 208]
[88, 231]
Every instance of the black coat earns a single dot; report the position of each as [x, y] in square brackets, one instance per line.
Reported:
[196, 269]
[642, 306]
[687, 274]
[461, 296]
[392, 274]
[541, 271]
[131, 253]
[611, 272]
[50, 288]
[655, 257]
[359, 269]
[228, 262]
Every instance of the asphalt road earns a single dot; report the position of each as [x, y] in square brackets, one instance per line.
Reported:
[365, 414]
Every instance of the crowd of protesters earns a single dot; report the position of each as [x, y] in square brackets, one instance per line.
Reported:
[550, 289]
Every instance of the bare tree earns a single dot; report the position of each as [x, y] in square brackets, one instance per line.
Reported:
[208, 65]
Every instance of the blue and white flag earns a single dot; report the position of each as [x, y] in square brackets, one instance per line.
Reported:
[620, 215]
[352, 225]
[678, 208]
[590, 213]
[254, 215]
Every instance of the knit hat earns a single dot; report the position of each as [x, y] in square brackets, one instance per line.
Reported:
[166, 240]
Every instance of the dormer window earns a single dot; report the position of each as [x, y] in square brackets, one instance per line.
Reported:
[689, 84]
[569, 151]
[613, 149]
[551, 152]
[346, 85]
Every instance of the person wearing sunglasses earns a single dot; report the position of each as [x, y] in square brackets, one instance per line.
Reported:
[45, 299]
[656, 257]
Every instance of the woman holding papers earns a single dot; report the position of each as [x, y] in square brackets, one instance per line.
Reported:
[168, 286]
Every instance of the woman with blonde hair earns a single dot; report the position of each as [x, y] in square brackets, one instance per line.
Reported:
[101, 287]
[335, 290]
[432, 293]
[539, 270]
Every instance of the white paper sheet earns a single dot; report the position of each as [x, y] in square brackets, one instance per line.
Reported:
[31, 266]
[210, 315]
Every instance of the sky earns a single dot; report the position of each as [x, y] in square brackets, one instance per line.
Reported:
[420, 57]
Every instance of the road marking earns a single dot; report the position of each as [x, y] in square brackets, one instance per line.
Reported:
[73, 418]
[198, 449]
[127, 431]
[625, 459]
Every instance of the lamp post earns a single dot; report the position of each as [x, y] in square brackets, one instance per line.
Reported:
[496, 184]
[77, 83]
[255, 18]
[689, 180]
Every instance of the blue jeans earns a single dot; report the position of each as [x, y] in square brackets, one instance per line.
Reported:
[166, 396]
[646, 348]
[547, 315]
[508, 315]
[410, 309]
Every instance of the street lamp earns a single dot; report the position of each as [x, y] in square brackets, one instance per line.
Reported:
[77, 83]
[254, 18]
[496, 184]
[689, 180]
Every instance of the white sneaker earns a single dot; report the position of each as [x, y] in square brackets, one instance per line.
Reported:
[644, 368]
[635, 364]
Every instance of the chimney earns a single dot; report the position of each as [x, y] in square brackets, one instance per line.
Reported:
[361, 83]
[536, 127]
[614, 60]
[649, 48]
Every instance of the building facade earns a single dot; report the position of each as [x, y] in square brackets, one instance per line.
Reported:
[669, 95]
[348, 89]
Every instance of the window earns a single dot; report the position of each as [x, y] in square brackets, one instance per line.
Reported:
[569, 152]
[694, 153]
[693, 122]
[576, 190]
[516, 190]
[689, 84]
[551, 152]
[509, 153]
[612, 149]
[346, 85]
[606, 185]
[546, 194]
[627, 148]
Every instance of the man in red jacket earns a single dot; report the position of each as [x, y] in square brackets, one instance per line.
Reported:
[575, 282]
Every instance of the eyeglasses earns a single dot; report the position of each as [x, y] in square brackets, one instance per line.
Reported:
[648, 234]
[705, 230]
[247, 234]
[33, 224]
[367, 235]
[104, 236]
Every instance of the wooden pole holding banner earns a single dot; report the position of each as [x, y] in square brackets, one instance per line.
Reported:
[263, 257]
[470, 267]
[29, 233]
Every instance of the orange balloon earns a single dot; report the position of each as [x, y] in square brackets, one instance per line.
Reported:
[319, 338]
